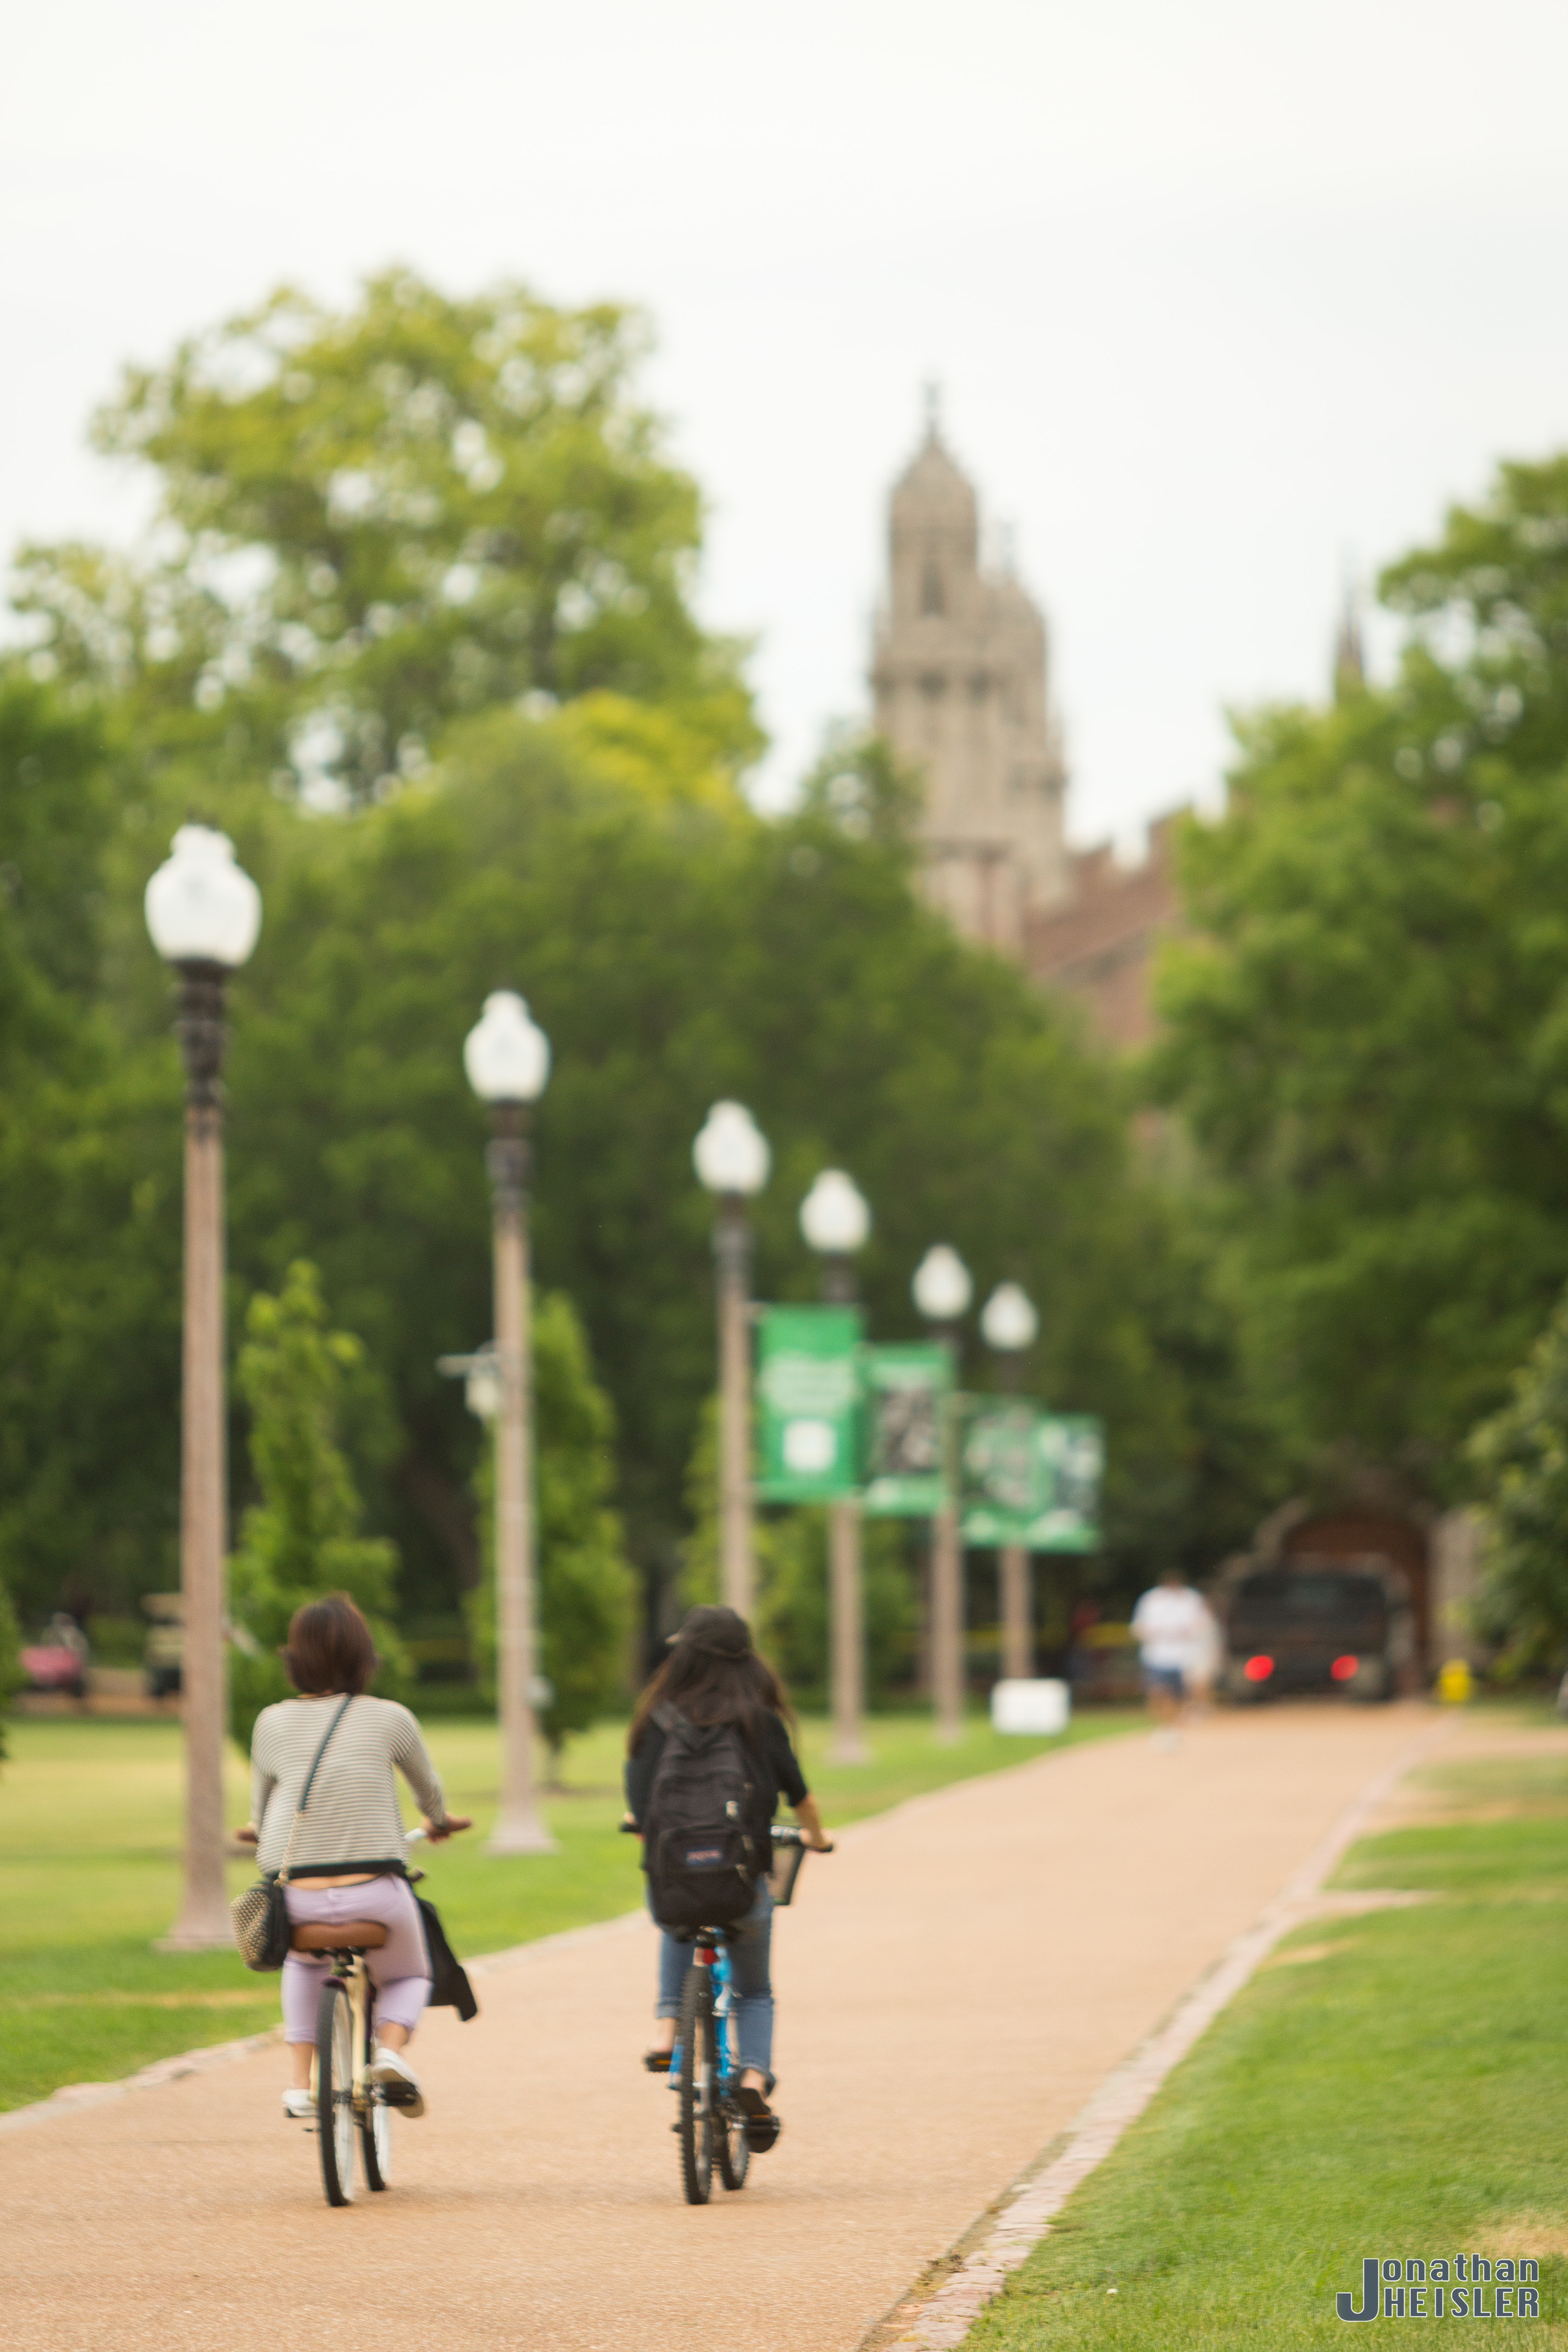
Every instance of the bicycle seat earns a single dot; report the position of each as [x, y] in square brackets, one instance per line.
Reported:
[347, 1936]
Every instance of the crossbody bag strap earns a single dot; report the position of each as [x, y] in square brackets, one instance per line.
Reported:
[305, 1792]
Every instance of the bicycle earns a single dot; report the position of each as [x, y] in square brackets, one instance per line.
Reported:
[702, 2068]
[348, 2106]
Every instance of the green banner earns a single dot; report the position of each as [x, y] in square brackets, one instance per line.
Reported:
[1071, 1450]
[1003, 1484]
[907, 1394]
[808, 1403]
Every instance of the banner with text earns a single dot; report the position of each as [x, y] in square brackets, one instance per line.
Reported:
[908, 1391]
[808, 1403]
[1003, 1478]
[1071, 1451]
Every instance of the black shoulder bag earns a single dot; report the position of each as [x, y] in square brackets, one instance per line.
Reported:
[260, 1915]
[449, 1986]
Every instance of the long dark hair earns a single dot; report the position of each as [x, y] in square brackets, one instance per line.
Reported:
[713, 1686]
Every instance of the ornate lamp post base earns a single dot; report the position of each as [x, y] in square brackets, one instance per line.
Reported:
[195, 1936]
[521, 1832]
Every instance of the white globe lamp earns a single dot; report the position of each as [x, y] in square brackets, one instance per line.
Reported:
[1008, 1321]
[201, 907]
[942, 1285]
[833, 1216]
[506, 1053]
[731, 1153]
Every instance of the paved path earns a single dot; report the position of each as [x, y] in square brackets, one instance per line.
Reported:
[955, 1982]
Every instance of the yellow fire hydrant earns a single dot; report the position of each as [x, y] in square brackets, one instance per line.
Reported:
[1456, 1683]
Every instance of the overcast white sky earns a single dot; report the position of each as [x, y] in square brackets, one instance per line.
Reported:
[1216, 292]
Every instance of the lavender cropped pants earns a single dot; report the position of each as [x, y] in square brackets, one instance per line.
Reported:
[399, 1969]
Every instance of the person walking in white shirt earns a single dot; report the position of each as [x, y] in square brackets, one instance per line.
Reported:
[1172, 1623]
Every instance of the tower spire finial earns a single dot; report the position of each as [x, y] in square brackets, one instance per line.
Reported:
[1350, 651]
[933, 408]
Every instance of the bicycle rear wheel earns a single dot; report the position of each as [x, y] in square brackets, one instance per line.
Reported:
[375, 2144]
[697, 2086]
[335, 2123]
[374, 2122]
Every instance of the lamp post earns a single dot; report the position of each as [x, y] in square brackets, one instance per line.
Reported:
[942, 1291]
[1009, 1326]
[507, 1058]
[731, 1158]
[836, 1220]
[203, 913]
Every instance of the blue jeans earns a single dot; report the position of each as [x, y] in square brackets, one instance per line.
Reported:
[751, 1991]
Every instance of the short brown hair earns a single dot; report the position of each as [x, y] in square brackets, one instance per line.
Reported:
[329, 1646]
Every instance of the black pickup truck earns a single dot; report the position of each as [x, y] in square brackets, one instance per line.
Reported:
[1316, 1623]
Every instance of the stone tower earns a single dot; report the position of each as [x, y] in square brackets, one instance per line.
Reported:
[960, 689]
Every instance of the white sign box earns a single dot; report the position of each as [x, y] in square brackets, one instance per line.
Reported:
[1039, 1708]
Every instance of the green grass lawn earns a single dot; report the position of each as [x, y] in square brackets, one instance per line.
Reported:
[1394, 2084]
[89, 1839]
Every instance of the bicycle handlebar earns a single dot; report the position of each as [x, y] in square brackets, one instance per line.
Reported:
[628, 1828]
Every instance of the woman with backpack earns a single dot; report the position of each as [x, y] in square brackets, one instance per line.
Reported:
[708, 1759]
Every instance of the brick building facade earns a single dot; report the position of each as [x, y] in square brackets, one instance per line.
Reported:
[1098, 943]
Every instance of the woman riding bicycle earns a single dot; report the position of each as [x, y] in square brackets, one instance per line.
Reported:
[713, 1675]
[350, 1835]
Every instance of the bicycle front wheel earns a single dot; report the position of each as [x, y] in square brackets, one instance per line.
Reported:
[335, 2123]
[732, 2148]
[697, 2085]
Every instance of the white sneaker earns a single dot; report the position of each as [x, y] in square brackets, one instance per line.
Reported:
[300, 2106]
[1166, 1741]
[398, 2080]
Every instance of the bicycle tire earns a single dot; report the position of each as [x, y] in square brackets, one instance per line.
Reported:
[375, 2128]
[375, 2145]
[733, 2149]
[696, 2090]
[335, 2121]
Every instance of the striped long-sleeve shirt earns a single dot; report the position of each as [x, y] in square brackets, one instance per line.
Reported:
[352, 1820]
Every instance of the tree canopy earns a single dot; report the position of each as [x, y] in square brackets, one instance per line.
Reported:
[414, 625]
[1519, 1458]
[372, 522]
[1367, 1023]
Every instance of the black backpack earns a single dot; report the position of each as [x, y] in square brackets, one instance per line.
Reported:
[699, 1846]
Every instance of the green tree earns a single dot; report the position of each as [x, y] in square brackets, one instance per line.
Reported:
[1520, 1457]
[1367, 1022]
[674, 951]
[586, 1597]
[373, 520]
[88, 1182]
[302, 1538]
